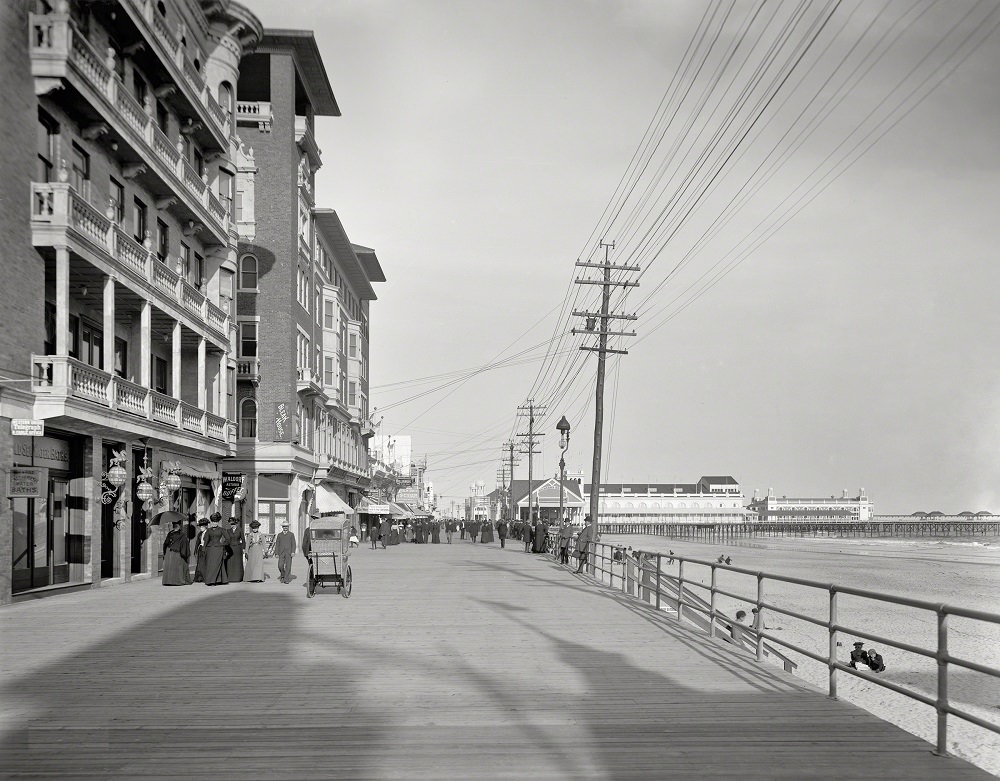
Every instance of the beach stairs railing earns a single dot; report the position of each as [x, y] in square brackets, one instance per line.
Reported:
[643, 582]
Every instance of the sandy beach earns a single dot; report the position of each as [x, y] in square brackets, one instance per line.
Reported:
[953, 571]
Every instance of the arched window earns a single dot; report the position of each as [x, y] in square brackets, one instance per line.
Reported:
[226, 97]
[248, 419]
[162, 8]
[248, 273]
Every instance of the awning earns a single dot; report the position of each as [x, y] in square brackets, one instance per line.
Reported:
[328, 502]
[398, 511]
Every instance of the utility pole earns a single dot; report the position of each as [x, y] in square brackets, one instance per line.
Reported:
[510, 492]
[602, 351]
[530, 407]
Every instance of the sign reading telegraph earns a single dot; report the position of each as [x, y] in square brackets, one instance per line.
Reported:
[26, 427]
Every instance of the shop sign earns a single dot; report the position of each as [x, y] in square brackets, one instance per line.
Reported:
[408, 495]
[27, 482]
[232, 485]
[377, 509]
[284, 421]
[26, 427]
[43, 451]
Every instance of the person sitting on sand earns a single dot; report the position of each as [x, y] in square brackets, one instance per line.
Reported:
[858, 655]
[720, 559]
[671, 559]
[875, 661]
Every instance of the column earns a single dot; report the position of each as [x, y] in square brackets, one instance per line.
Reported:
[175, 361]
[145, 346]
[202, 392]
[220, 408]
[62, 301]
[109, 326]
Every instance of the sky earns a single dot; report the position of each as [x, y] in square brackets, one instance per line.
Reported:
[851, 342]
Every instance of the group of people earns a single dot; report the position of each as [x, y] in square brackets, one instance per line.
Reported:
[383, 531]
[871, 658]
[221, 555]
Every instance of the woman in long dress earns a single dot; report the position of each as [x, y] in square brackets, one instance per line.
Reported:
[175, 548]
[216, 540]
[234, 559]
[487, 535]
[255, 554]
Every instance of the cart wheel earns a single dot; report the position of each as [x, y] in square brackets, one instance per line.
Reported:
[345, 589]
[311, 585]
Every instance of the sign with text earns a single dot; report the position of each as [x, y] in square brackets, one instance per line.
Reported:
[25, 482]
[26, 427]
[284, 421]
[232, 486]
[408, 495]
[378, 509]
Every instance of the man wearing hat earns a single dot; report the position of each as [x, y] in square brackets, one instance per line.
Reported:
[284, 549]
[859, 654]
[199, 548]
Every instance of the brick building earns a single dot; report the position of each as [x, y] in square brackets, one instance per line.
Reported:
[303, 294]
[119, 257]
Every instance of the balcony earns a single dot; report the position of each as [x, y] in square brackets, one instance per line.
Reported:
[248, 369]
[255, 112]
[308, 382]
[170, 52]
[60, 216]
[332, 394]
[59, 52]
[58, 379]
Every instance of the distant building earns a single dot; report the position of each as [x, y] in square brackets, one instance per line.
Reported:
[788, 509]
[710, 500]
[544, 496]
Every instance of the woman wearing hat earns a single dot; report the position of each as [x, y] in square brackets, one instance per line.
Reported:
[255, 554]
[216, 540]
[175, 551]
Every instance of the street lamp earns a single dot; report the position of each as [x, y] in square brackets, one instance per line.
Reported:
[563, 428]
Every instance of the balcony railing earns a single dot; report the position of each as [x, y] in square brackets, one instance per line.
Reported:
[59, 50]
[308, 381]
[57, 205]
[156, 30]
[62, 377]
[248, 369]
[249, 112]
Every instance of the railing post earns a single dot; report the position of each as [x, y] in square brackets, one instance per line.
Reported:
[680, 587]
[942, 683]
[711, 609]
[832, 661]
[658, 571]
[760, 616]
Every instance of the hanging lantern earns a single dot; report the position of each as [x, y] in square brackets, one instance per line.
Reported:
[116, 476]
[144, 491]
[171, 482]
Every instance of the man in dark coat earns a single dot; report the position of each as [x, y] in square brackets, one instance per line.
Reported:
[583, 541]
[383, 531]
[199, 551]
[234, 560]
[538, 543]
[284, 549]
[502, 532]
[565, 536]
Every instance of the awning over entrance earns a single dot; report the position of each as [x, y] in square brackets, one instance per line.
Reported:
[328, 502]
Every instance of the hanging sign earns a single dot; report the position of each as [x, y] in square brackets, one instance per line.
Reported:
[232, 485]
[26, 427]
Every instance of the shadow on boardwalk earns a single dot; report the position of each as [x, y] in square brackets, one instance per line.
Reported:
[473, 667]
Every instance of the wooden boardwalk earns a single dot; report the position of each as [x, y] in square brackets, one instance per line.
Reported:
[451, 662]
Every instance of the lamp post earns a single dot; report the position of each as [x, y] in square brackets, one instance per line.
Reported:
[563, 428]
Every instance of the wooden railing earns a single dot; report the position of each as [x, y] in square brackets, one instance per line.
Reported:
[663, 588]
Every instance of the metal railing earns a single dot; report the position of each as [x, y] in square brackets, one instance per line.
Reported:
[677, 591]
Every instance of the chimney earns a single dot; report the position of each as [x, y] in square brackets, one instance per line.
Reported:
[770, 493]
[845, 493]
[756, 494]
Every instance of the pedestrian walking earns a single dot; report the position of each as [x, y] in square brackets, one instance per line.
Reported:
[255, 554]
[583, 540]
[175, 557]
[449, 529]
[216, 540]
[284, 549]
[199, 551]
[502, 532]
[373, 534]
[565, 538]
[234, 557]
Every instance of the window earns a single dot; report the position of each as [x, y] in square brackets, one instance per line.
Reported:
[185, 256]
[329, 315]
[329, 373]
[162, 117]
[73, 337]
[117, 200]
[352, 394]
[139, 220]
[302, 351]
[162, 240]
[248, 419]
[302, 292]
[121, 357]
[139, 88]
[80, 171]
[226, 97]
[91, 346]
[226, 190]
[352, 345]
[197, 270]
[248, 273]
[48, 130]
[248, 340]
[160, 374]
[197, 160]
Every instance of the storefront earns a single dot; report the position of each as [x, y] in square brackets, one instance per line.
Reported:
[50, 544]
